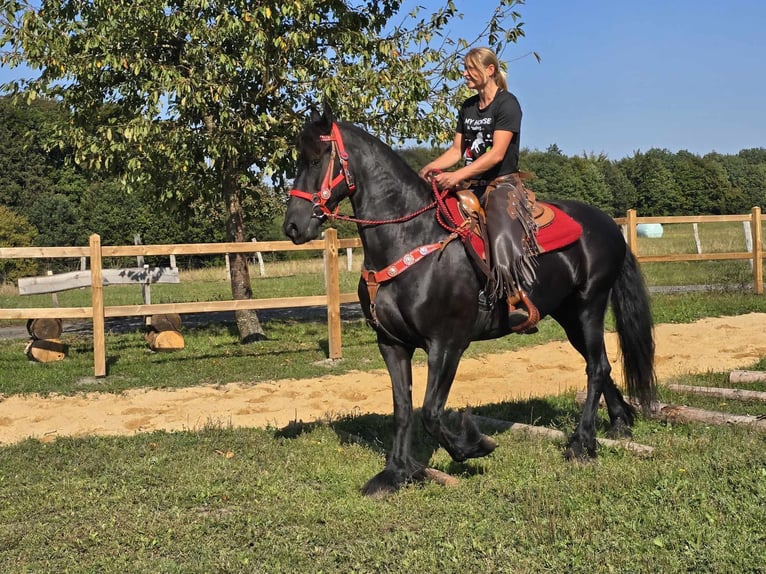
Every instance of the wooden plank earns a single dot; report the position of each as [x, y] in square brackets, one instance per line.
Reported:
[736, 394]
[741, 255]
[692, 218]
[332, 288]
[42, 252]
[174, 249]
[192, 307]
[232, 305]
[97, 303]
[47, 313]
[209, 248]
[79, 279]
[631, 236]
[756, 229]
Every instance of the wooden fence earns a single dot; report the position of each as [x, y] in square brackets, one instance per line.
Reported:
[755, 218]
[332, 298]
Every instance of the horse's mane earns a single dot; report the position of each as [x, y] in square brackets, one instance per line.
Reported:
[309, 144]
[381, 150]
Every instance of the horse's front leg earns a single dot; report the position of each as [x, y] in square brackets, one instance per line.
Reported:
[400, 466]
[469, 442]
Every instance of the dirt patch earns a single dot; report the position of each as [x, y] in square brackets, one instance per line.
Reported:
[714, 344]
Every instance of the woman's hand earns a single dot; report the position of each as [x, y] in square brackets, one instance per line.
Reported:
[427, 173]
[448, 180]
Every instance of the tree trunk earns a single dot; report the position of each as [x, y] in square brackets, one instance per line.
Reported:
[247, 320]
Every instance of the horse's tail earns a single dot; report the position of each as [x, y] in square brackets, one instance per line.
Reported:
[635, 328]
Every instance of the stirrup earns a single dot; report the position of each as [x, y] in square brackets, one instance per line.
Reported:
[516, 316]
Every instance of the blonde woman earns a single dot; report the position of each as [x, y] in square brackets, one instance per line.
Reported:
[487, 141]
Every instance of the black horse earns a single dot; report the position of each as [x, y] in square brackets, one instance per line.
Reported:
[433, 301]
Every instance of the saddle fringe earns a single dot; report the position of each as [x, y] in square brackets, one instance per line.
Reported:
[523, 271]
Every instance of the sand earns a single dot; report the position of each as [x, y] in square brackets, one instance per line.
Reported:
[713, 344]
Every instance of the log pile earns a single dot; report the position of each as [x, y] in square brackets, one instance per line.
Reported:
[165, 334]
[45, 345]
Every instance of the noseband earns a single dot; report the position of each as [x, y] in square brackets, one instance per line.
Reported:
[329, 183]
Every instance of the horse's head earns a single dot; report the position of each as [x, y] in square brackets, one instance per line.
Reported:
[323, 178]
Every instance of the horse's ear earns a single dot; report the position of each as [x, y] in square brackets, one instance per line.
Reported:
[324, 121]
[327, 113]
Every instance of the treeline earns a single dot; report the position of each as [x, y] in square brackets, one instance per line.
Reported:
[656, 182]
[46, 200]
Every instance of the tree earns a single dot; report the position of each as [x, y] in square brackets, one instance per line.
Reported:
[747, 174]
[16, 231]
[204, 97]
[623, 192]
[657, 192]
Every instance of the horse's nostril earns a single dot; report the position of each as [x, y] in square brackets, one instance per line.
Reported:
[291, 230]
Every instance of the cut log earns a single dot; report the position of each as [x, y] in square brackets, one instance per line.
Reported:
[545, 432]
[737, 394]
[747, 377]
[45, 328]
[166, 322]
[46, 350]
[165, 340]
[682, 414]
[441, 478]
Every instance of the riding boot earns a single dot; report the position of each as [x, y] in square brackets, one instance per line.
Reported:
[511, 229]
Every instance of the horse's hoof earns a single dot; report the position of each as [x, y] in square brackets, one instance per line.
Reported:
[576, 451]
[619, 430]
[381, 485]
[486, 446]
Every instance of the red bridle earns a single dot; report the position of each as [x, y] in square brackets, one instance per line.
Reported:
[329, 183]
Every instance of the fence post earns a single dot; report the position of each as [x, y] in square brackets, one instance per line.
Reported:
[97, 304]
[146, 287]
[756, 231]
[632, 234]
[332, 286]
[259, 256]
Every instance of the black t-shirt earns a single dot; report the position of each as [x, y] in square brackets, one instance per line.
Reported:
[477, 127]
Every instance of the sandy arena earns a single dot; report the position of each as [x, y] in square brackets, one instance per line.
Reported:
[713, 344]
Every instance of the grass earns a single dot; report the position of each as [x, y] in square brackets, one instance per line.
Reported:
[287, 500]
[222, 499]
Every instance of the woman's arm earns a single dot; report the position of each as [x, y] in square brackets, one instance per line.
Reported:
[501, 139]
[450, 157]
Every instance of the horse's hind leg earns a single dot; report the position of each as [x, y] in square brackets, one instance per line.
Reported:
[621, 414]
[587, 336]
[469, 442]
[400, 466]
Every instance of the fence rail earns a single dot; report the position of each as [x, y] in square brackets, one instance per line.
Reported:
[332, 299]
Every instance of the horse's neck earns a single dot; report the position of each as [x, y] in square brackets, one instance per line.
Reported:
[388, 191]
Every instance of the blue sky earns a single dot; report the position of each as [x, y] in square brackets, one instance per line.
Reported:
[619, 76]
